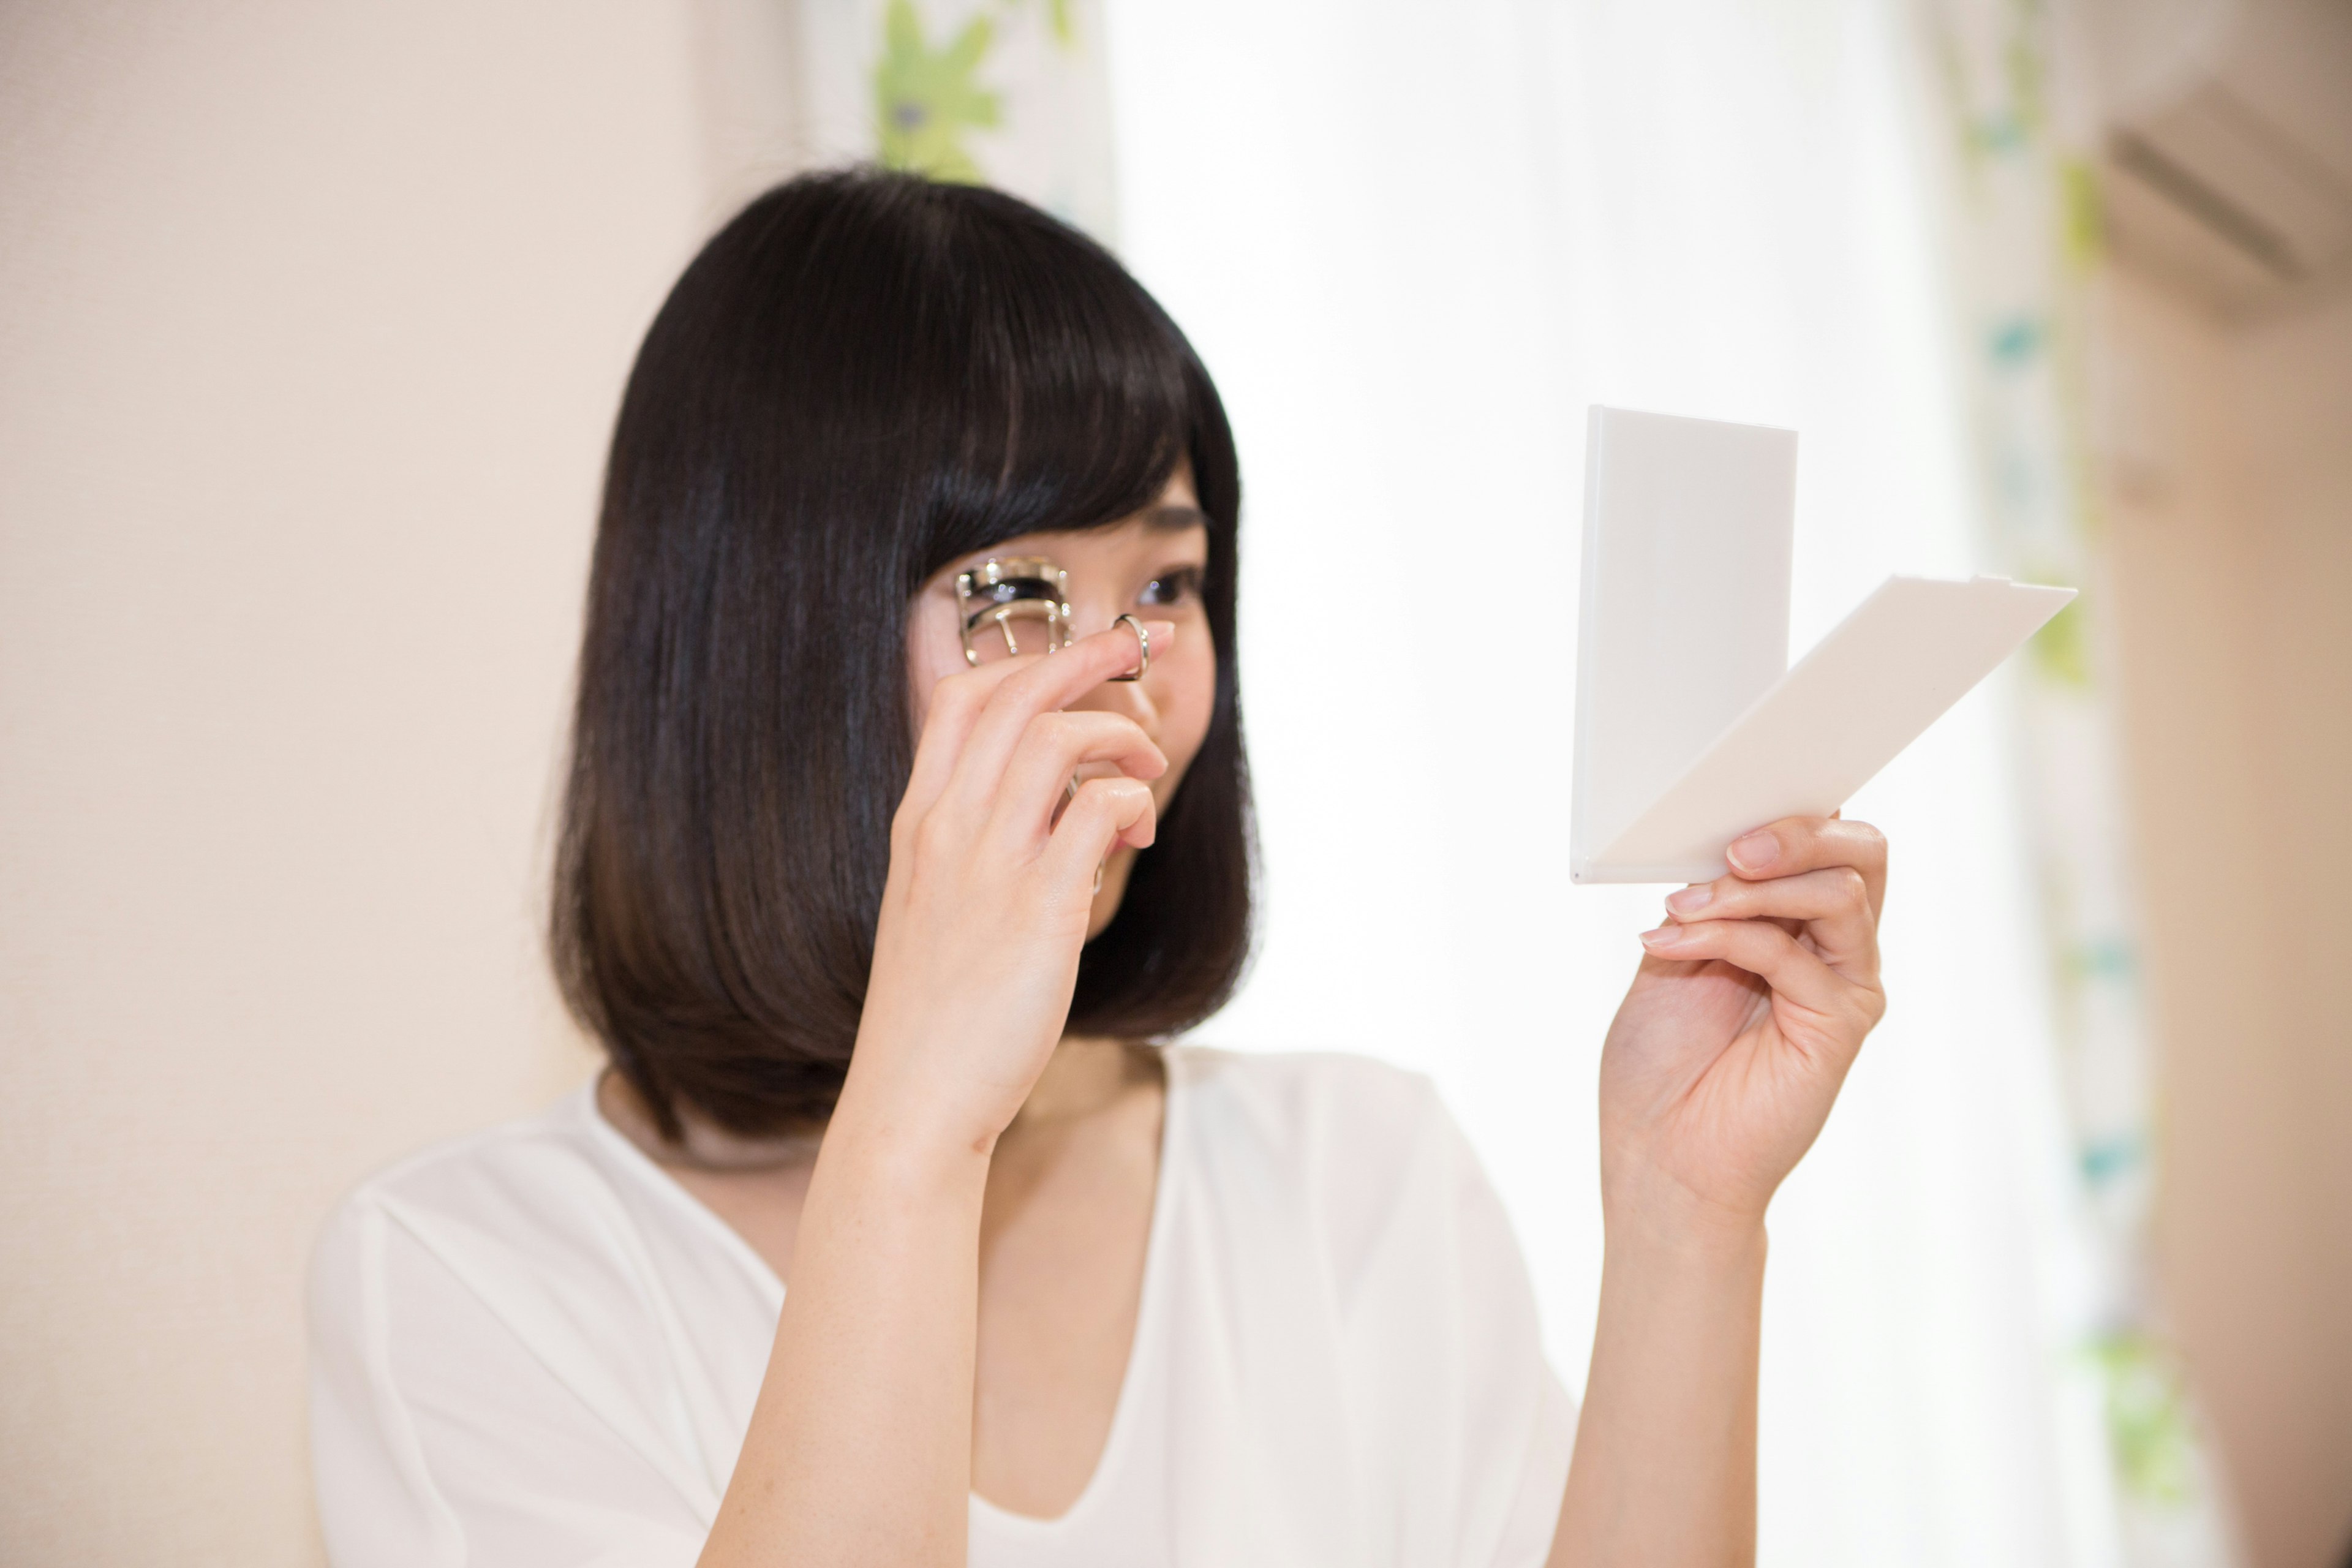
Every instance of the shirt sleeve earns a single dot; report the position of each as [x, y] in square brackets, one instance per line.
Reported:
[437, 1438]
[1442, 1330]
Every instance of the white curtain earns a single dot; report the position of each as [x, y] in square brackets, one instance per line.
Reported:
[1413, 243]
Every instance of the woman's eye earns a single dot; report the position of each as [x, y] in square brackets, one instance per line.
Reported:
[1172, 587]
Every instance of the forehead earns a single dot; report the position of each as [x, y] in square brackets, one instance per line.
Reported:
[1175, 509]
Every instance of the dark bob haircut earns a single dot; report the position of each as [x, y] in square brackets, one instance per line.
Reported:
[862, 378]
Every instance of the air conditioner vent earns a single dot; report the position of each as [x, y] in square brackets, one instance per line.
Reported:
[2235, 186]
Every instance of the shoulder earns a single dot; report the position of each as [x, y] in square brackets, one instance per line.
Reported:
[1361, 1156]
[532, 1251]
[531, 1166]
[532, 1198]
[1328, 1102]
[495, 1333]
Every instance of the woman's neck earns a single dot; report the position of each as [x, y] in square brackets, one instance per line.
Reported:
[1085, 1075]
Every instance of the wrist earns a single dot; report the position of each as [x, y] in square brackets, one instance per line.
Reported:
[1712, 1259]
[1684, 1274]
[1660, 1218]
[905, 1140]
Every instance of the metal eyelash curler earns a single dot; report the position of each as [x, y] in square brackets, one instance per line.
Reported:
[1016, 604]
[996, 598]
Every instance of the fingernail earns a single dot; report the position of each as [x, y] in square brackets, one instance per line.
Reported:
[1755, 852]
[1665, 936]
[1691, 899]
[1160, 631]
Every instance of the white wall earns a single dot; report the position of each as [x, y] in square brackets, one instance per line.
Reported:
[2230, 459]
[312, 321]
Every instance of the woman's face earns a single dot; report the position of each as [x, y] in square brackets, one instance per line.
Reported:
[1148, 566]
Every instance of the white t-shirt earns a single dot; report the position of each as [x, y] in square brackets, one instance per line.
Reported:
[532, 1347]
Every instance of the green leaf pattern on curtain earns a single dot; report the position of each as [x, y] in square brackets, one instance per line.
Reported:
[1003, 92]
[2027, 224]
[926, 99]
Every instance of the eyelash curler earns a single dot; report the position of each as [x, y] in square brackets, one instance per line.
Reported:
[999, 595]
[1003, 594]
[1016, 604]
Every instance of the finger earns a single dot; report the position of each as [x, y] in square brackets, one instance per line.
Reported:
[1832, 905]
[957, 703]
[1054, 747]
[1105, 814]
[1763, 950]
[959, 700]
[1049, 682]
[1797, 843]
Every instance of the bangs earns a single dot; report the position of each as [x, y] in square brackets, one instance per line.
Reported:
[1051, 391]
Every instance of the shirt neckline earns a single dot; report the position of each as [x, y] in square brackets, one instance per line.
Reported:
[1124, 1413]
[1142, 1348]
[673, 1192]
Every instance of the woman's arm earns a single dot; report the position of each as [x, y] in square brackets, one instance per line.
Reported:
[859, 1448]
[1665, 1445]
[1717, 1074]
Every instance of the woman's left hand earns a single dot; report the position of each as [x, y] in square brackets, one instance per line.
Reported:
[1749, 1007]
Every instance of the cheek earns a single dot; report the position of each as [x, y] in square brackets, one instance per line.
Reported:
[934, 652]
[1189, 701]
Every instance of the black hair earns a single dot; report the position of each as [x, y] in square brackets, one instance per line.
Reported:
[862, 378]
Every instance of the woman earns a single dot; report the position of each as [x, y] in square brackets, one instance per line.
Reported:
[890, 1235]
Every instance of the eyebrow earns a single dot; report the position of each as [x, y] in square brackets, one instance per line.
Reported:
[1173, 519]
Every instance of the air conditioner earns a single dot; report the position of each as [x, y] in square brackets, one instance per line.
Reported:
[2228, 146]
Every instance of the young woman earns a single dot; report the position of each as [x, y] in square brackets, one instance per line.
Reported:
[894, 1234]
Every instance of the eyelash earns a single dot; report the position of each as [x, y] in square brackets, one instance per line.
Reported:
[1182, 583]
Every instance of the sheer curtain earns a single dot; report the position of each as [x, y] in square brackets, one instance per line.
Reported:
[1413, 243]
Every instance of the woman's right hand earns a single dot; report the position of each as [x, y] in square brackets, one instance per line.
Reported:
[986, 907]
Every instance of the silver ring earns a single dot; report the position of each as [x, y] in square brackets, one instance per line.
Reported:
[1143, 644]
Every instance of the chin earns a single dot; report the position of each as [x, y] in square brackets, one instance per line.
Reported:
[1113, 890]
